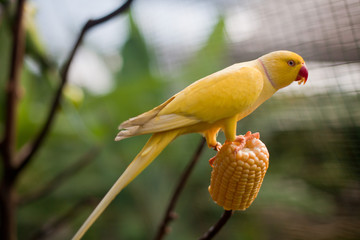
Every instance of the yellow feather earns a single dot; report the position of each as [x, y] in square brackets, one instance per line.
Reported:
[220, 95]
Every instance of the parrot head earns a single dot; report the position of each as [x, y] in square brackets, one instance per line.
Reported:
[284, 67]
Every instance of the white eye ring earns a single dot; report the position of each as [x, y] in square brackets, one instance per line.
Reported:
[291, 63]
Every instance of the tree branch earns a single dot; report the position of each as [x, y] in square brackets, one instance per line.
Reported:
[61, 178]
[170, 214]
[29, 150]
[7, 146]
[217, 227]
[12, 89]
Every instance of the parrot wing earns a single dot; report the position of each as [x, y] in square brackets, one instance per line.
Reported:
[218, 96]
[145, 117]
[210, 99]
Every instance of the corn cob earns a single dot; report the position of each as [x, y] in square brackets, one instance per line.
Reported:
[238, 171]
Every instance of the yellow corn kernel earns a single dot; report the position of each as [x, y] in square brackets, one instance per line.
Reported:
[238, 171]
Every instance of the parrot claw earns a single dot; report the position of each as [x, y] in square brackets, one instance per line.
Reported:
[242, 139]
[211, 161]
[217, 147]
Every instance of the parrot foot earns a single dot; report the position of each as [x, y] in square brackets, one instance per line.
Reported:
[214, 145]
[217, 147]
[211, 161]
[242, 139]
[239, 140]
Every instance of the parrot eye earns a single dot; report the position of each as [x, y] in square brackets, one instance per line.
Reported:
[291, 63]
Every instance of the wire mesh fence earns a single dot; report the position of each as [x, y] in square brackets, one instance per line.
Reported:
[318, 124]
[313, 131]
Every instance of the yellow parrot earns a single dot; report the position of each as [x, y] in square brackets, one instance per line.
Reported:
[213, 103]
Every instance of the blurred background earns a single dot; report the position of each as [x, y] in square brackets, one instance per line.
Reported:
[138, 60]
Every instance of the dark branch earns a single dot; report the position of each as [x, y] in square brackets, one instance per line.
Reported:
[216, 228]
[12, 88]
[170, 214]
[30, 149]
[7, 146]
[61, 178]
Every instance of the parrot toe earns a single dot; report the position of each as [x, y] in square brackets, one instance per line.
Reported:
[217, 147]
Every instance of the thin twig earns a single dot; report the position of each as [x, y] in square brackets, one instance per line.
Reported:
[12, 88]
[55, 225]
[7, 146]
[30, 149]
[213, 230]
[61, 178]
[170, 214]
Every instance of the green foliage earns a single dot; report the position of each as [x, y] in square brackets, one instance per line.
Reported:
[305, 179]
[136, 57]
[211, 57]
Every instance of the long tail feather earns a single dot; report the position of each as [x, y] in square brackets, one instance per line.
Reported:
[150, 151]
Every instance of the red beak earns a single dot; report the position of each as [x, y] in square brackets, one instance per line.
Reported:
[303, 75]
